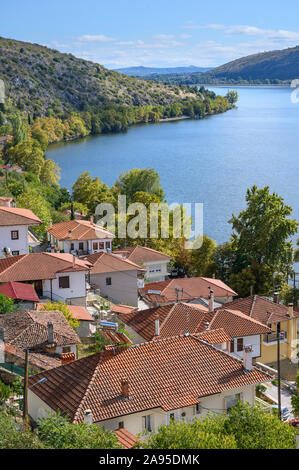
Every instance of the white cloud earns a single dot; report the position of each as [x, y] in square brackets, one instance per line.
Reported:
[95, 38]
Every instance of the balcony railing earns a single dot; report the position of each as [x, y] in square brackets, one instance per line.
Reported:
[272, 337]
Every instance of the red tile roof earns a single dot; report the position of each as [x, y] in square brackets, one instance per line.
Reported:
[261, 309]
[214, 336]
[119, 308]
[19, 291]
[180, 318]
[104, 262]
[17, 216]
[36, 266]
[166, 373]
[29, 328]
[125, 438]
[81, 230]
[78, 312]
[193, 288]
[114, 337]
[141, 254]
[41, 360]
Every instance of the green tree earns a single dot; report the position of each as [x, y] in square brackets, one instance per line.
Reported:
[28, 155]
[145, 180]
[19, 128]
[90, 191]
[63, 308]
[5, 392]
[232, 96]
[15, 436]
[57, 433]
[6, 304]
[50, 172]
[202, 258]
[31, 199]
[295, 398]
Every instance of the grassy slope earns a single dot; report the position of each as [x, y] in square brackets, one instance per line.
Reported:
[38, 79]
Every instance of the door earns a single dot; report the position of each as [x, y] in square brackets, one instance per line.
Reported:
[38, 285]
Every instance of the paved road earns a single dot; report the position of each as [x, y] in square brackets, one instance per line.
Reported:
[272, 392]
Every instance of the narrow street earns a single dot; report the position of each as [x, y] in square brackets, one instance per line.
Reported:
[272, 392]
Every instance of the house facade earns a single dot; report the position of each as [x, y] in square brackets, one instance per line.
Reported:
[56, 276]
[14, 224]
[81, 237]
[116, 278]
[154, 262]
[128, 390]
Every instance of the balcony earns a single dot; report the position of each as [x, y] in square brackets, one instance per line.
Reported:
[272, 337]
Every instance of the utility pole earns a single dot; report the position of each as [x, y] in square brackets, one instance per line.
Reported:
[278, 370]
[25, 400]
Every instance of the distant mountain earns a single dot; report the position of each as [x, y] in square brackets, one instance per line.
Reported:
[274, 67]
[143, 71]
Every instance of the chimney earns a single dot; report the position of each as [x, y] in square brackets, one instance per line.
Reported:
[91, 219]
[125, 389]
[50, 333]
[74, 261]
[70, 234]
[247, 358]
[67, 357]
[2, 335]
[276, 298]
[211, 301]
[291, 310]
[157, 325]
[88, 417]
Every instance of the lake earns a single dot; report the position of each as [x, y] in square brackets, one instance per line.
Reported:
[212, 161]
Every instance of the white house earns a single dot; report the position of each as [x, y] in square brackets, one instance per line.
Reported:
[14, 234]
[155, 262]
[57, 276]
[80, 237]
[124, 388]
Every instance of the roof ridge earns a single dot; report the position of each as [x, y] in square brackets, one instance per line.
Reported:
[168, 315]
[252, 306]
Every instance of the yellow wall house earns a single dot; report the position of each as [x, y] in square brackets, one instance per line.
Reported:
[271, 313]
[143, 386]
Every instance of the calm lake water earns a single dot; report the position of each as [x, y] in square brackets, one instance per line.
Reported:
[212, 161]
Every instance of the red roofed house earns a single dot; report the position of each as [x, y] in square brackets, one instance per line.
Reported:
[155, 262]
[21, 293]
[7, 202]
[80, 237]
[81, 314]
[191, 290]
[57, 276]
[141, 387]
[14, 224]
[230, 329]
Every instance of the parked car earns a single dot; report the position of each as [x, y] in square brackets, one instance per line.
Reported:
[285, 413]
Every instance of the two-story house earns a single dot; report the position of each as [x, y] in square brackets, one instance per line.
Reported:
[14, 234]
[57, 276]
[116, 278]
[81, 237]
[154, 262]
[141, 387]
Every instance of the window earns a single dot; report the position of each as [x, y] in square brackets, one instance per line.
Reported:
[72, 246]
[64, 282]
[198, 408]
[151, 269]
[15, 253]
[81, 246]
[15, 234]
[232, 346]
[108, 281]
[232, 400]
[121, 425]
[108, 245]
[101, 245]
[147, 423]
[158, 268]
[171, 417]
[66, 349]
[240, 344]
[95, 245]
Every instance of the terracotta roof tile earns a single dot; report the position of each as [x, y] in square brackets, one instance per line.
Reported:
[125, 438]
[17, 216]
[77, 311]
[80, 230]
[107, 262]
[141, 254]
[165, 373]
[119, 308]
[261, 309]
[36, 266]
[193, 288]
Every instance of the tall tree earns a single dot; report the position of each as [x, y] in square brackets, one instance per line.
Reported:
[145, 180]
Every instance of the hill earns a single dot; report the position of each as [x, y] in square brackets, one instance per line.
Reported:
[280, 66]
[145, 71]
[42, 80]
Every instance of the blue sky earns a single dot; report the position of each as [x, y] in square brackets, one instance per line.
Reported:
[120, 33]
